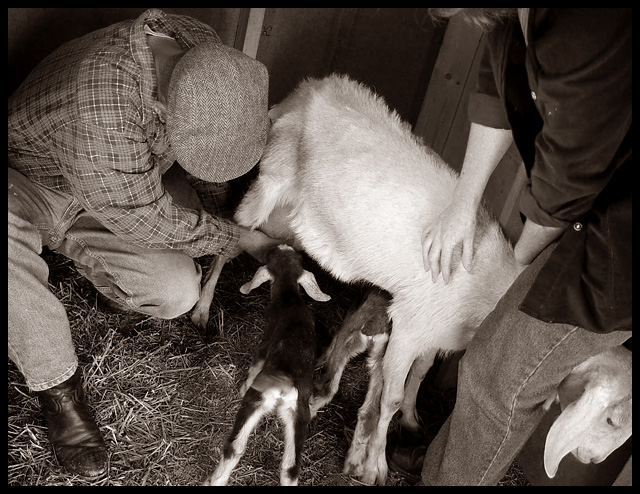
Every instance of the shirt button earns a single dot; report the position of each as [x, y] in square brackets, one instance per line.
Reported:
[533, 95]
[577, 226]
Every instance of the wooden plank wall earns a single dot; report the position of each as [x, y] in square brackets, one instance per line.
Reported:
[442, 119]
[392, 50]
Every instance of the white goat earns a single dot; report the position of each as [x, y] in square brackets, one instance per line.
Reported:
[596, 404]
[281, 375]
[361, 189]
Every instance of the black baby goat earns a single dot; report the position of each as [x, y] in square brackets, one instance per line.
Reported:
[281, 374]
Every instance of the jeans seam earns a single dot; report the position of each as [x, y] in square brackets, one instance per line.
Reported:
[54, 382]
[129, 298]
[516, 395]
[66, 219]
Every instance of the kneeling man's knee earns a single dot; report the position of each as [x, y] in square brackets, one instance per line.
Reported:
[176, 290]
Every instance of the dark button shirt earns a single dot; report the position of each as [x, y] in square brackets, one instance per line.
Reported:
[566, 96]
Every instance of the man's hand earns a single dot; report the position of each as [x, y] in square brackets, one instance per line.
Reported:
[453, 230]
[256, 243]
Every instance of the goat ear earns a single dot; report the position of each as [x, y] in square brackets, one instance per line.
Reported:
[572, 426]
[262, 275]
[308, 281]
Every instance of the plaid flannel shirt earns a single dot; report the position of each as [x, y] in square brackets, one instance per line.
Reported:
[83, 123]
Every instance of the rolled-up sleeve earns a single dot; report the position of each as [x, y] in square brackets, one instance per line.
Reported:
[485, 105]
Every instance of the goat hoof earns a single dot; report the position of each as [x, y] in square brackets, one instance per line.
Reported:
[373, 477]
[207, 332]
[368, 478]
[352, 469]
[214, 481]
[200, 320]
[381, 477]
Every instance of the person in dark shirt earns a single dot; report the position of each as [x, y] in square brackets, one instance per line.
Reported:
[557, 82]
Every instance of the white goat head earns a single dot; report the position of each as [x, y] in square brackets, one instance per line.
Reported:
[596, 410]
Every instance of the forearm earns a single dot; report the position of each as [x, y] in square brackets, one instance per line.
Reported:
[485, 148]
[164, 225]
[533, 240]
[256, 243]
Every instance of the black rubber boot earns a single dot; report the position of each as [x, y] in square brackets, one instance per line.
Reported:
[76, 440]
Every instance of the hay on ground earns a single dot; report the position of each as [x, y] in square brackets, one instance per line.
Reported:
[165, 398]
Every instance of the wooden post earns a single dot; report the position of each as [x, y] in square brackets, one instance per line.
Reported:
[249, 31]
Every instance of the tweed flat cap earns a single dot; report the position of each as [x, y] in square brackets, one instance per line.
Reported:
[217, 112]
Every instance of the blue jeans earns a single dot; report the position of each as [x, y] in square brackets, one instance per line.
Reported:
[510, 368]
[161, 283]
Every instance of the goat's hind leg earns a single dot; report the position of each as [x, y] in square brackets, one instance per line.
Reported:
[200, 312]
[365, 321]
[396, 366]
[410, 419]
[296, 419]
[369, 412]
[254, 406]
[273, 189]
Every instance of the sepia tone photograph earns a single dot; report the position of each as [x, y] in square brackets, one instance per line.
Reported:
[319, 246]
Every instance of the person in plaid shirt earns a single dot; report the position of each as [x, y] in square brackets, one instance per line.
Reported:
[91, 132]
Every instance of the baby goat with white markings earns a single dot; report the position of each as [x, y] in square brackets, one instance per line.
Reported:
[361, 189]
[281, 375]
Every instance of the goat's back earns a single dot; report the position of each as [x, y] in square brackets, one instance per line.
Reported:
[363, 188]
